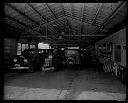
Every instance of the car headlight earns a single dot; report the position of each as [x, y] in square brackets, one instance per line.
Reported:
[25, 60]
[14, 60]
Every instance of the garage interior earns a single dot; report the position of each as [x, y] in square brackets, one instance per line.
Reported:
[98, 30]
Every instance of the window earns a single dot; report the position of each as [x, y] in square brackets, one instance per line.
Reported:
[21, 47]
[32, 46]
[18, 48]
[26, 46]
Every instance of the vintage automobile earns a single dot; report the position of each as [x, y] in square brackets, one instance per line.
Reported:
[19, 63]
[62, 58]
[30, 60]
[72, 57]
[54, 60]
[48, 65]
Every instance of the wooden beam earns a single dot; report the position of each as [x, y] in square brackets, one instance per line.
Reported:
[97, 13]
[13, 19]
[113, 13]
[40, 14]
[14, 8]
[12, 28]
[37, 12]
[49, 23]
[54, 16]
[84, 23]
[84, 35]
[82, 18]
[51, 10]
[63, 9]
[80, 21]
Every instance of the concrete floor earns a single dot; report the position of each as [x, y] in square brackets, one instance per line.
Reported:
[67, 84]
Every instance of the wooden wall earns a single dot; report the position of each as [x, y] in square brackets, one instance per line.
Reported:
[117, 38]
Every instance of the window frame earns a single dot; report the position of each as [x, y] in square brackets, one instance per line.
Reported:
[26, 46]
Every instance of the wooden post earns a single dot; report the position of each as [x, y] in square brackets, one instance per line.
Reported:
[113, 52]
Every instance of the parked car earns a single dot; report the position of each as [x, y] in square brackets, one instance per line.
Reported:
[19, 63]
[30, 60]
[48, 64]
[64, 58]
[72, 57]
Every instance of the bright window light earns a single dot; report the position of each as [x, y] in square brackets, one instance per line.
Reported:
[43, 46]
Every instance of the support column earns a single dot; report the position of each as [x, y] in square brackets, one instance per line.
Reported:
[36, 44]
[17, 41]
[113, 52]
